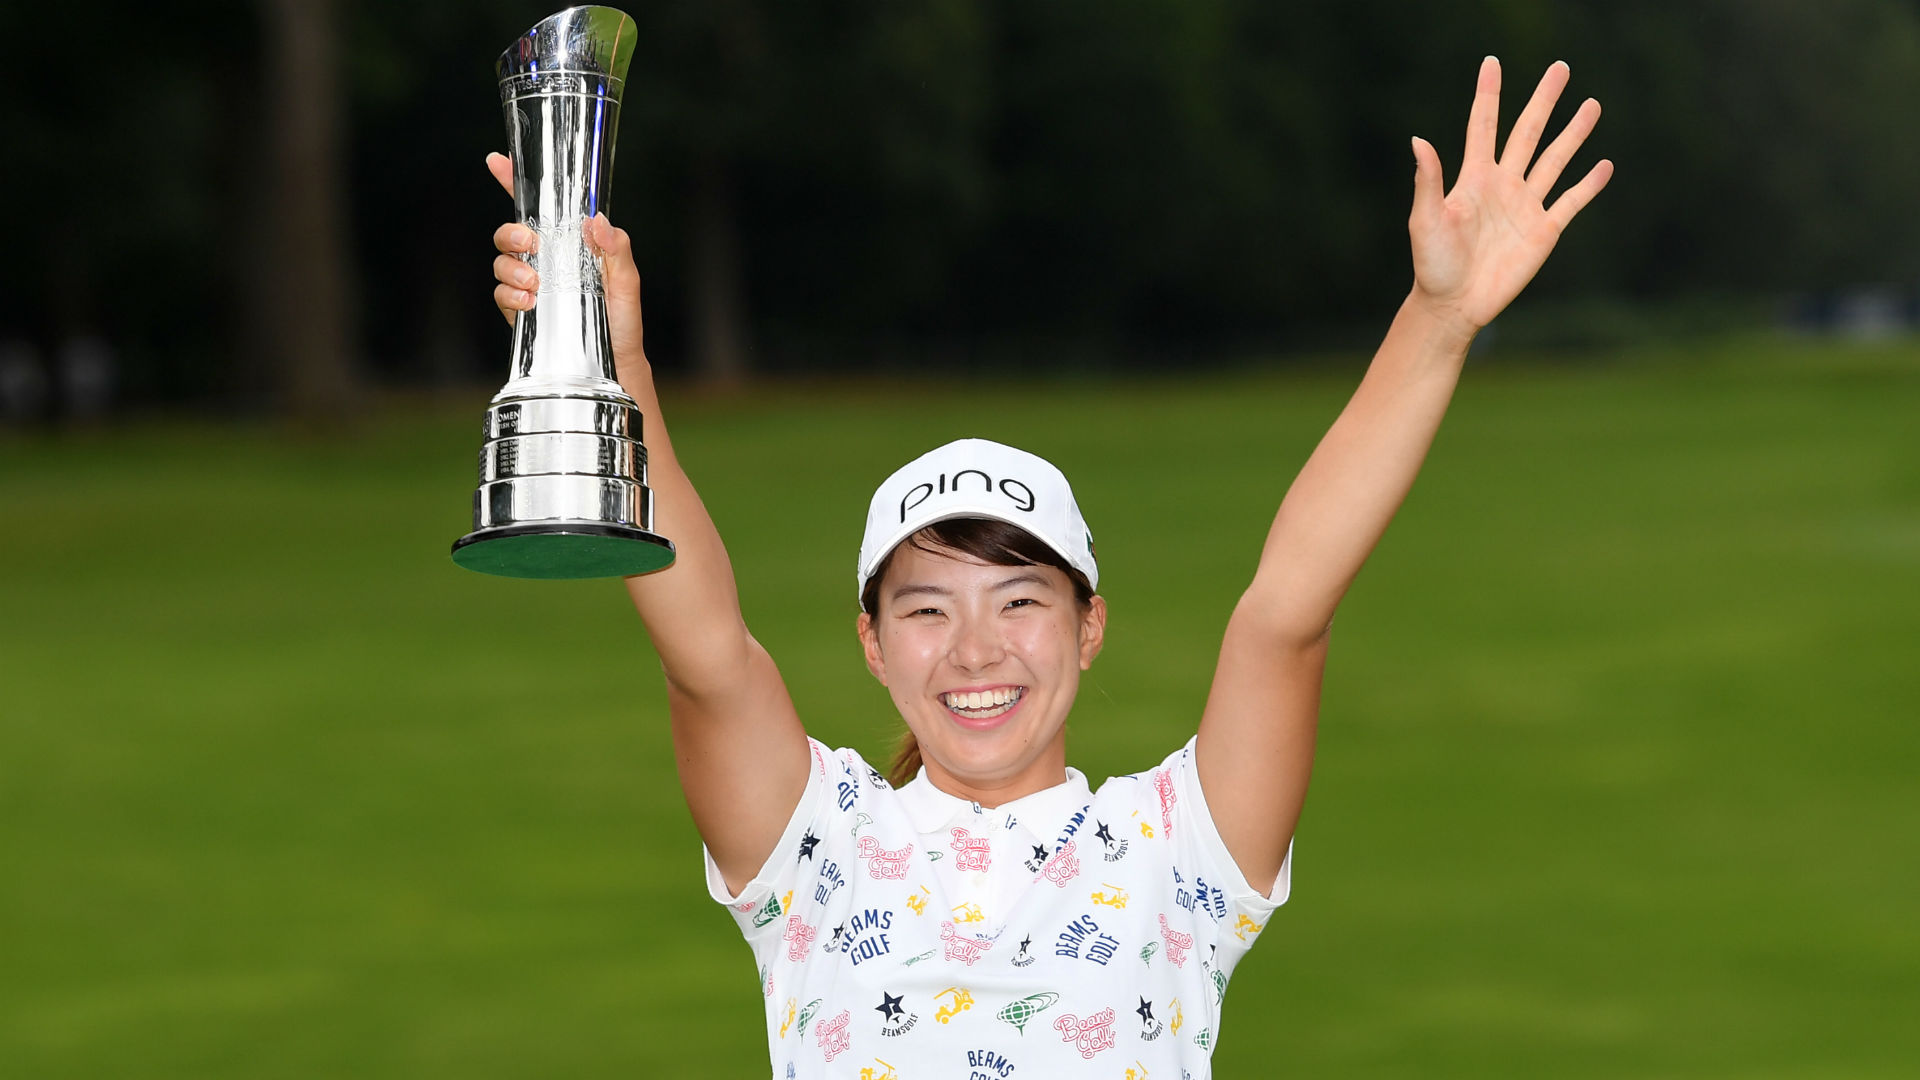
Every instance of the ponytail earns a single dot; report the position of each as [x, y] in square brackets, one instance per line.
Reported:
[906, 761]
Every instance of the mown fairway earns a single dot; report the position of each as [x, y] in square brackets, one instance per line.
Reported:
[1617, 774]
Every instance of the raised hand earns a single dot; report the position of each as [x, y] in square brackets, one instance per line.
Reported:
[1477, 246]
[519, 286]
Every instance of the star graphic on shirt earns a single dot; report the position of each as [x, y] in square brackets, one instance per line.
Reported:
[1026, 941]
[1039, 853]
[1146, 1011]
[889, 1006]
[837, 931]
[1105, 834]
[806, 845]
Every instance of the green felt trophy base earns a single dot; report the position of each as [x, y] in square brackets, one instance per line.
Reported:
[560, 551]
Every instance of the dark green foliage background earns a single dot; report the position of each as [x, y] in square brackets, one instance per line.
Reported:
[1077, 182]
[1616, 774]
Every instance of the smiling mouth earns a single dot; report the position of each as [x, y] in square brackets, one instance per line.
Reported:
[983, 704]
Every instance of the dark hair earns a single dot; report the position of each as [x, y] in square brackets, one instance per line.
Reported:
[995, 542]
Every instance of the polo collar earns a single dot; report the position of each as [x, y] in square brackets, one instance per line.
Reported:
[930, 809]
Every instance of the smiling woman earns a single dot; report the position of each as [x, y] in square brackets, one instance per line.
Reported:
[986, 542]
[931, 920]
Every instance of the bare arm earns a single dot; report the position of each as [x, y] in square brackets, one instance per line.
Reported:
[741, 752]
[1474, 249]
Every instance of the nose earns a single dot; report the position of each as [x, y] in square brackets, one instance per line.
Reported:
[977, 645]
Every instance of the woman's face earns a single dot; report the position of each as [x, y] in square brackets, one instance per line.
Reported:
[983, 662]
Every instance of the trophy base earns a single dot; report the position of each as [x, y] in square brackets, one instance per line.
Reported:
[563, 550]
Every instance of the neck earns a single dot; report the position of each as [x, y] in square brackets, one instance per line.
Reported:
[1047, 770]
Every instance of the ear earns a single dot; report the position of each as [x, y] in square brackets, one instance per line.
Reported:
[870, 645]
[1093, 631]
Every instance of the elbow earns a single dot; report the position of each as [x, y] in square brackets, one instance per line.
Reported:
[1278, 625]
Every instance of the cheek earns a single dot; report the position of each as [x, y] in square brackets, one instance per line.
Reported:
[910, 655]
[1047, 646]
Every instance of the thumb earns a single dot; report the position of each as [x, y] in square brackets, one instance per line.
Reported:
[621, 280]
[614, 245]
[1428, 194]
[501, 166]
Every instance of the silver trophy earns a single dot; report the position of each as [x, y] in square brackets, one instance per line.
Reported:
[563, 473]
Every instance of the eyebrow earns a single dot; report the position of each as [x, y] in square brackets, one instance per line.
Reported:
[1029, 578]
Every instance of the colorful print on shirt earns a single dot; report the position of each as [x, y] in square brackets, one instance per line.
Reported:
[910, 934]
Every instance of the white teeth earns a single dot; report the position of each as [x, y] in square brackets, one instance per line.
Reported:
[992, 702]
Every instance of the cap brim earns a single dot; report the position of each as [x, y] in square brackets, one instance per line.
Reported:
[900, 535]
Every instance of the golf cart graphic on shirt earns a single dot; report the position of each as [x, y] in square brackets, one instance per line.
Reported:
[962, 1001]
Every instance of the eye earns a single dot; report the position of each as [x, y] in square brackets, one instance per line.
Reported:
[924, 611]
[1022, 602]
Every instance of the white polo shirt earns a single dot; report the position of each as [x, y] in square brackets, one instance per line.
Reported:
[909, 934]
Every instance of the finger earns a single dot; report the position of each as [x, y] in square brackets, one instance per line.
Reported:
[1576, 198]
[1429, 193]
[1546, 171]
[606, 238]
[1484, 120]
[501, 166]
[614, 245]
[1525, 136]
[513, 238]
[510, 300]
[510, 270]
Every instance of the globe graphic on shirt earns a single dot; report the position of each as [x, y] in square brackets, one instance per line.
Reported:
[1019, 1012]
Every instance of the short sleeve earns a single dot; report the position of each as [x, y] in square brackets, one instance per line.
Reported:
[1229, 912]
[1205, 836]
[758, 902]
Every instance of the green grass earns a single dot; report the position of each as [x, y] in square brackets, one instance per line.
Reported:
[1616, 776]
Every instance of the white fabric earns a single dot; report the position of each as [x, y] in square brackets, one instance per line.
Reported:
[977, 478]
[912, 933]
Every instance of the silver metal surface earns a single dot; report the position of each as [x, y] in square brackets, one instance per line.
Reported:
[560, 88]
[563, 414]
[562, 438]
[584, 500]
[562, 452]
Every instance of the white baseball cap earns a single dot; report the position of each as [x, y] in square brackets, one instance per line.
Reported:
[976, 478]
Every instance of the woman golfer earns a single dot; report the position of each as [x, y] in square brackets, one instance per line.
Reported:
[983, 911]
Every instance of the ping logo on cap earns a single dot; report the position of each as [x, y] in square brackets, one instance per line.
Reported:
[1015, 491]
[977, 478]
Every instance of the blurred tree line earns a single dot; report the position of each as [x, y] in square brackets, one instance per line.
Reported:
[285, 199]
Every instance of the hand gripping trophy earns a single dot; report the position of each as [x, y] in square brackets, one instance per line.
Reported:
[563, 491]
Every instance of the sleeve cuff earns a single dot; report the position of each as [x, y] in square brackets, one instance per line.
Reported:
[1200, 819]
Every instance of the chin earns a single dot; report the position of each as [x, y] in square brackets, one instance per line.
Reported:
[984, 755]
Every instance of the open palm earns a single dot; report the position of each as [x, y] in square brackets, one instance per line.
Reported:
[1477, 246]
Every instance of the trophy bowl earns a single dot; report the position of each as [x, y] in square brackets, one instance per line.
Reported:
[563, 471]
